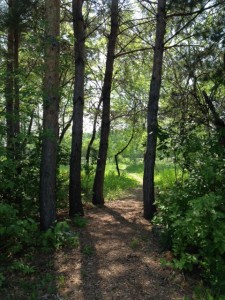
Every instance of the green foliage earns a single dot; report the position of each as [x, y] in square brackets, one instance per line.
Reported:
[37, 287]
[119, 138]
[15, 234]
[64, 151]
[80, 221]
[58, 237]
[87, 183]
[2, 279]
[19, 178]
[134, 243]
[114, 186]
[20, 242]
[193, 217]
[87, 250]
[165, 175]
[203, 293]
[137, 168]
[117, 186]
[62, 186]
[22, 267]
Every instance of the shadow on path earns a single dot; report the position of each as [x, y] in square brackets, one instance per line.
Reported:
[119, 258]
[91, 281]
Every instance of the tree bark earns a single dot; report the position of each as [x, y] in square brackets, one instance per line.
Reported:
[16, 84]
[50, 116]
[98, 197]
[152, 124]
[9, 94]
[75, 201]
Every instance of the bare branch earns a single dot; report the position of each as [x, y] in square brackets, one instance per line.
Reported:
[132, 51]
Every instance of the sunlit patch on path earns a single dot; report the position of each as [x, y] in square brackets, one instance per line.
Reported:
[118, 258]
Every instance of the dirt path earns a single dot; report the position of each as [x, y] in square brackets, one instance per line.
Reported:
[118, 258]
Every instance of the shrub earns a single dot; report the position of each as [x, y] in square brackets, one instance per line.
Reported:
[194, 228]
[80, 221]
[15, 234]
[58, 237]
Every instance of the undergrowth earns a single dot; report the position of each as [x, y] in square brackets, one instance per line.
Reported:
[21, 241]
[192, 216]
[115, 186]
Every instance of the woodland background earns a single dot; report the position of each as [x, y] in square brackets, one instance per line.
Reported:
[88, 89]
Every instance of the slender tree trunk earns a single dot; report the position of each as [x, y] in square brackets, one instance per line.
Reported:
[121, 151]
[50, 116]
[93, 134]
[16, 84]
[75, 202]
[9, 97]
[152, 124]
[9, 87]
[98, 197]
[17, 143]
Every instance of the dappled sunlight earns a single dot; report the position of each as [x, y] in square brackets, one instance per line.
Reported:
[117, 258]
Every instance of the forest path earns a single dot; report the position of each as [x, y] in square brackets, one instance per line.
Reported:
[118, 258]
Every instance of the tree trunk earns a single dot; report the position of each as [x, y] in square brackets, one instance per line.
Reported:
[9, 96]
[98, 197]
[75, 202]
[16, 86]
[50, 116]
[93, 134]
[9, 86]
[152, 124]
[122, 150]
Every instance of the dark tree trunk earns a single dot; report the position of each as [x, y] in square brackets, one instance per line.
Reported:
[121, 151]
[93, 134]
[98, 197]
[16, 84]
[9, 95]
[75, 202]
[50, 116]
[17, 143]
[12, 97]
[152, 124]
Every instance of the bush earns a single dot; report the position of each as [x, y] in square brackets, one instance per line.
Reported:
[80, 221]
[58, 237]
[15, 234]
[194, 228]
[193, 218]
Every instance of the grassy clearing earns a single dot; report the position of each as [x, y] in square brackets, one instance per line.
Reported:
[135, 171]
[165, 176]
[117, 186]
[114, 186]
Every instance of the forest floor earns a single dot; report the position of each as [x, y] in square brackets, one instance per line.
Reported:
[118, 258]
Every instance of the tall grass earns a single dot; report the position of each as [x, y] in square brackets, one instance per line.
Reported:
[165, 173]
[116, 186]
